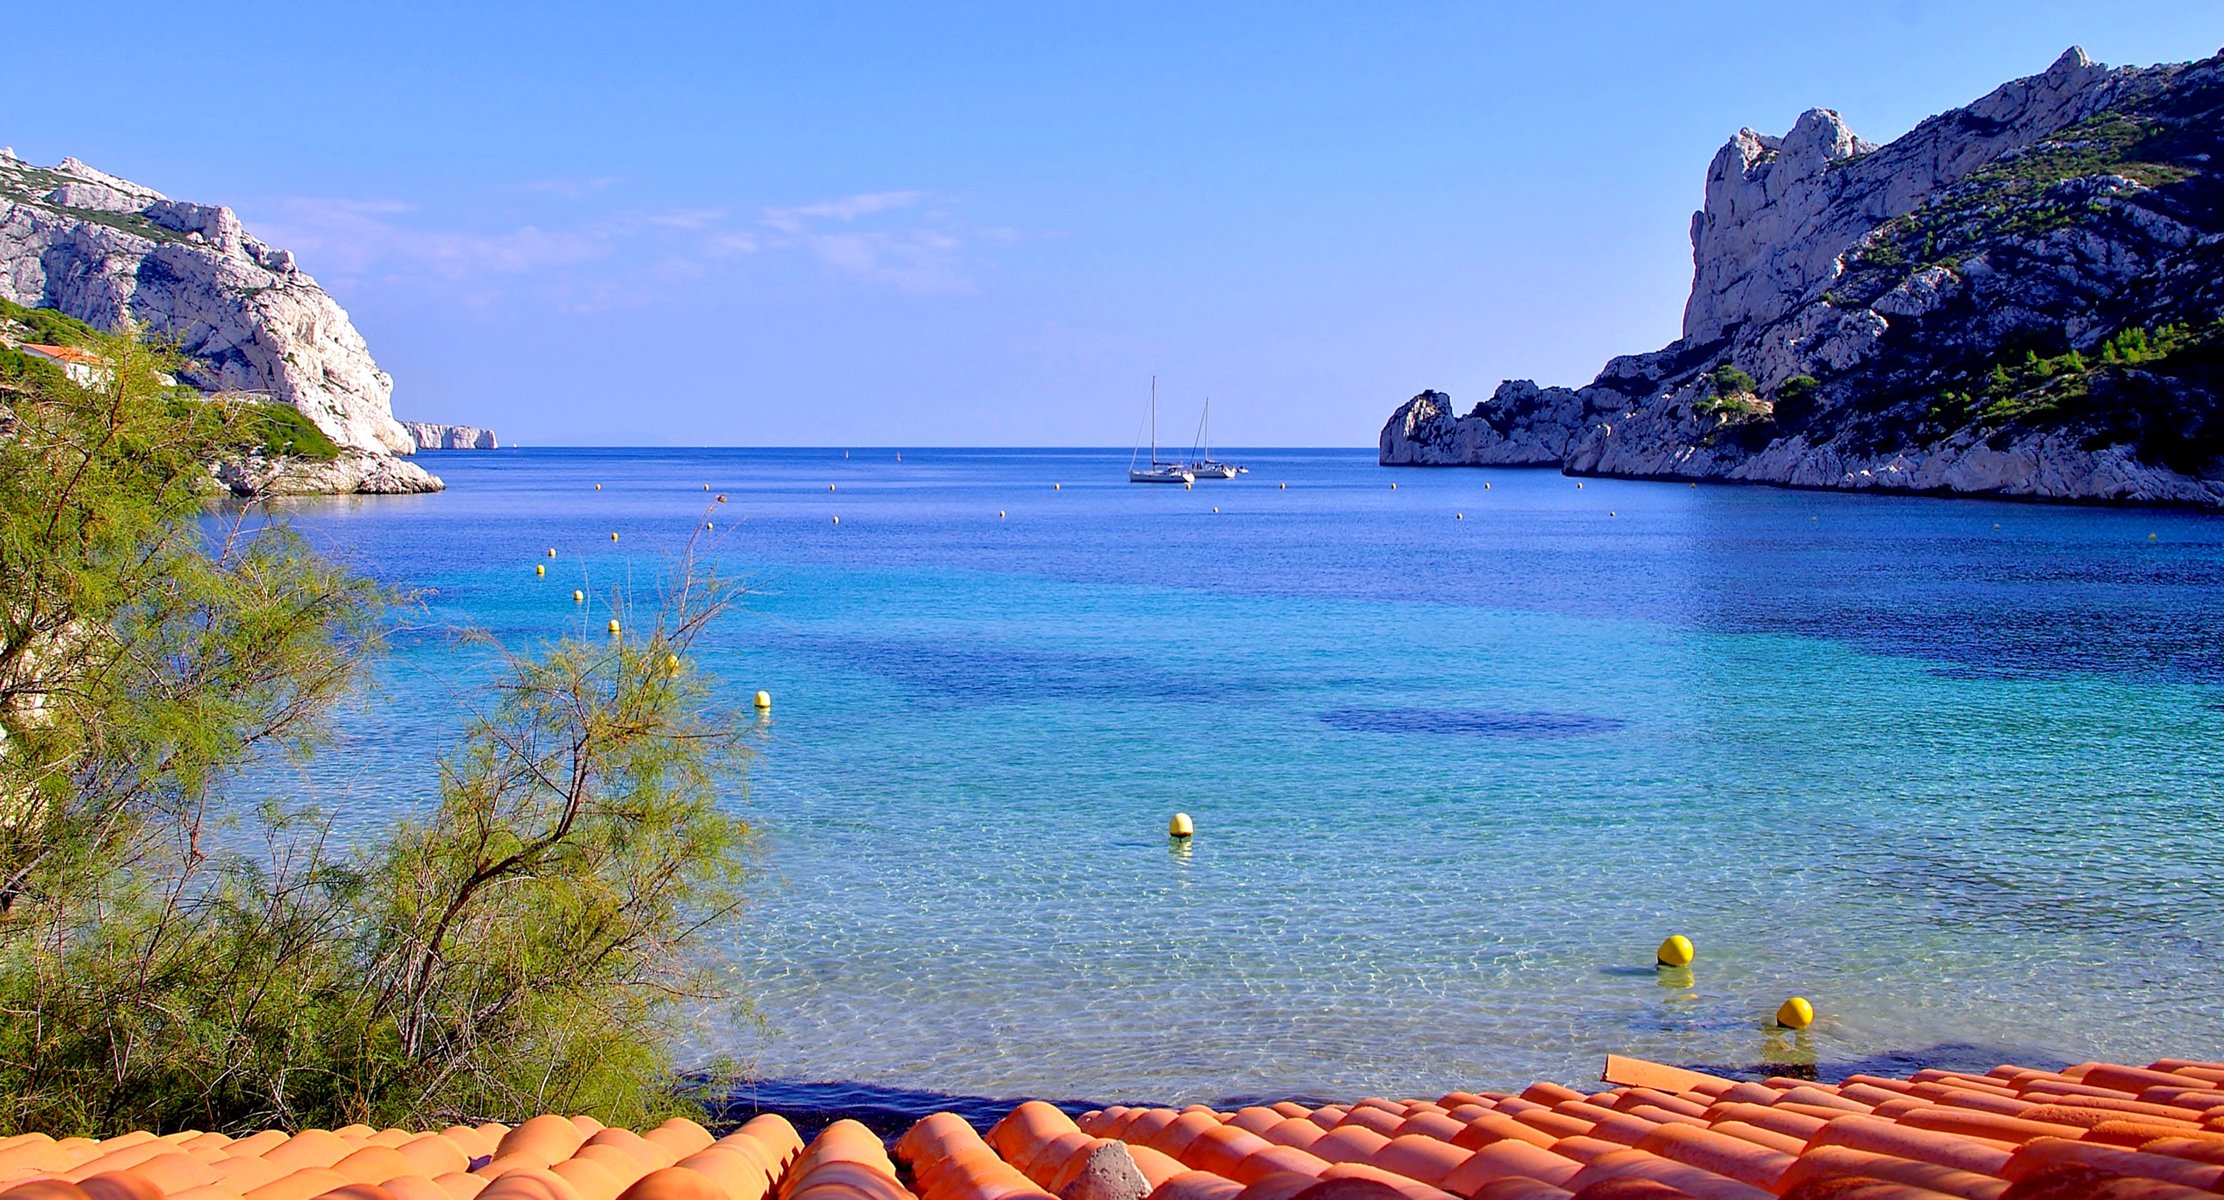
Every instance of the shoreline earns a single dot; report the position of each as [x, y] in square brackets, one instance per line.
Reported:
[2090, 502]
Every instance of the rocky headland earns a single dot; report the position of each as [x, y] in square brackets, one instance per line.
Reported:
[429, 436]
[247, 319]
[2022, 297]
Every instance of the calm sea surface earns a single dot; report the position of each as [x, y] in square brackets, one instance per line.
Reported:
[1954, 770]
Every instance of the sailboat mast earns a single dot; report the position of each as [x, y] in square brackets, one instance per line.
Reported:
[1154, 420]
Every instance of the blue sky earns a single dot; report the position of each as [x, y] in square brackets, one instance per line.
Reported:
[990, 224]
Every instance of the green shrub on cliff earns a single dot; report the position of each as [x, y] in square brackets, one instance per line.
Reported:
[280, 429]
[172, 958]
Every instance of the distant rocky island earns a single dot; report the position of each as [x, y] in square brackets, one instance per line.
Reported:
[249, 321]
[429, 436]
[2023, 297]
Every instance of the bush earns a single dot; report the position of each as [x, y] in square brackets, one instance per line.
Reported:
[277, 428]
[170, 959]
[1729, 381]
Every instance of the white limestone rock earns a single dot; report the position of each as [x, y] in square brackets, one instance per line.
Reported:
[1790, 223]
[102, 248]
[354, 472]
[429, 436]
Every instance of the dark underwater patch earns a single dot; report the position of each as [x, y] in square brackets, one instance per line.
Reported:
[1467, 722]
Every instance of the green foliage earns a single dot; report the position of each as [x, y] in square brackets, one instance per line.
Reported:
[269, 428]
[171, 959]
[46, 325]
[1732, 396]
[29, 185]
[2113, 143]
[1799, 388]
[277, 428]
[2037, 387]
[2011, 198]
[1882, 251]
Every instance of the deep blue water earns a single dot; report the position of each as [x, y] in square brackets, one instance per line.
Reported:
[1460, 752]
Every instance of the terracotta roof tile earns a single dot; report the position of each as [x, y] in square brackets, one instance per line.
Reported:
[2096, 1129]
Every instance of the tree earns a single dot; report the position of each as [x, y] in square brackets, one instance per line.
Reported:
[170, 960]
[1730, 381]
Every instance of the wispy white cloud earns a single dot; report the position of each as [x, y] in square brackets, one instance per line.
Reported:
[917, 252]
[885, 239]
[845, 208]
[570, 189]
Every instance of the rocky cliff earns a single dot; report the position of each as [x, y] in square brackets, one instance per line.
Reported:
[429, 436]
[2020, 297]
[245, 315]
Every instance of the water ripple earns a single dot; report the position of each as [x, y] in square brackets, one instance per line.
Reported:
[1471, 722]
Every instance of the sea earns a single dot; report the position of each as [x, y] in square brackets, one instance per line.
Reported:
[1461, 748]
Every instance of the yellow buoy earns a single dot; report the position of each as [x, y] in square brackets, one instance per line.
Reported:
[764, 699]
[830, 487]
[1216, 508]
[598, 487]
[706, 487]
[1181, 826]
[552, 551]
[1486, 486]
[1674, 952]
[1610, 512]
[1393, 487]
[613, 537]
[1285, 487]
[540, 569]
[837, 520]
[1057, 487]
[1796, 1013]
[1579, 485]
[710, 524]
[1188, 486]
[578, 597]
[2150, 537]
[1459, 516]
[613, 624]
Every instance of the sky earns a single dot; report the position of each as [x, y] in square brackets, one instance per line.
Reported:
[916, 224]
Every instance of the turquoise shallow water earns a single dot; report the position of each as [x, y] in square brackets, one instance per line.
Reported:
[1951, 769]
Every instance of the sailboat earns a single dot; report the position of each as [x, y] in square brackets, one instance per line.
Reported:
[1157, 472]
[1204, 466]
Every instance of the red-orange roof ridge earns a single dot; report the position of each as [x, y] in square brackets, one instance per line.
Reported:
[2013, 1133]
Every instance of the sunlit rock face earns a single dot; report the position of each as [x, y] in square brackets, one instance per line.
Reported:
[2019, 297]
[249, 320]
[429, 436]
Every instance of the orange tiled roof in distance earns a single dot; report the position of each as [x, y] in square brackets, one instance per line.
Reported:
[68, 354]
[2015, 1133]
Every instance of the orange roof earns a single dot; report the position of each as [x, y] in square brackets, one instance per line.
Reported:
[68, 354]
[2007, 1133]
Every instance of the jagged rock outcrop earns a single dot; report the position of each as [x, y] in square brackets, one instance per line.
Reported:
[429, 436]
[2021, 297]
[101, 248]
[354, 472]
